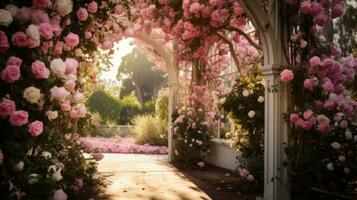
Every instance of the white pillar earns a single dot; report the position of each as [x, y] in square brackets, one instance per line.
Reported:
[276, 132]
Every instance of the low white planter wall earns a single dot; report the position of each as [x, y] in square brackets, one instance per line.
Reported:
[222, 155]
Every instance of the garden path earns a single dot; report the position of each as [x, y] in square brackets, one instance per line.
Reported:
[146, 177]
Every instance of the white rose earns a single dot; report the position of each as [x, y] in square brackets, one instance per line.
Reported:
[5, 17]
[346, 170]
[227, 90]
[19, 166]
[46, 155]
[330, 167]
[342, 158]
[336, 145]
[78, 97]
[58, 67]
[322, 118]
[64, 7]
[52, 115]
[33, 178]
[251, 114]
[33, 32]
[56, 173]
[12, 9]
[348, 135]
[222, 100]
[245, 93]
[32, 94]
[260, 99]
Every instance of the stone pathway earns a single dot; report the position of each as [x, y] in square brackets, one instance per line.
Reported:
[146, 177]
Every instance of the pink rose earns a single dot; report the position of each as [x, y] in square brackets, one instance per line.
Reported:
[250, 178]
[23, 14]
[328, 86]
[19, 118]
[19, 39]
[70, 85]
[195, 7]
[294, 118]
[82, 14]
[59, 195]
[46, 30]
[118, 9]
[329, 104]
[58, 48]
[13, 60]
[36, 128]
[73, 114]
[244, 173]
[286, 75]
[305, 7]
[201, 164]
[65, 106]
[321, 19]
[310, 84]
[338, 10]
[71, 66]
[4, 42]
[315, 8]
[92, 7]
[97, 156]
[11, 73]
[31, 43]
[77, 185]
[81, 111]
[59, 93]
[40, 70]
[308, 114]
[72, 39]
[7, 107]
[40, 3]
[107, 45]
[324, 127]
[306, 125]
[87, 35]
[344, 124]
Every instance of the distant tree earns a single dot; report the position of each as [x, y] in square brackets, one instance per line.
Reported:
[346, 30]
[136, 74]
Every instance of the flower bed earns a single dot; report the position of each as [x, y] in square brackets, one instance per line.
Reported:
[120, 145]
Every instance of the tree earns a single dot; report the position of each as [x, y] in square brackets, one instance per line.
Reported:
[136, 74]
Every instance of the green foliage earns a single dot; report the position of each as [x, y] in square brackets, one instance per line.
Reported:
[106, 105]
[249, 135]
[149, 107]
[149, 130]
[162, 105]
[191, 136]
[130, 108]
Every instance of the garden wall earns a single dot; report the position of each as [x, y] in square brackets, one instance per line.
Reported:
[222, 155]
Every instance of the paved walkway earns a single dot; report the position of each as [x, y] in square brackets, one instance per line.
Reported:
[146, 177]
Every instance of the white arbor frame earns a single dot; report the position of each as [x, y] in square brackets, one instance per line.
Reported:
[270, 29]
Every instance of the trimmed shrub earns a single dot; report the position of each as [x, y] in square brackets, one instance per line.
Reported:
[148, 130]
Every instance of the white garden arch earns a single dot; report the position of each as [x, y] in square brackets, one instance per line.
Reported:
[268, 24]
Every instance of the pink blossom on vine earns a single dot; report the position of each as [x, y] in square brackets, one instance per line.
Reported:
[7, 107]
[19, 118]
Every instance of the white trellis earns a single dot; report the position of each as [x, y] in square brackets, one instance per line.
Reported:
[268, 24]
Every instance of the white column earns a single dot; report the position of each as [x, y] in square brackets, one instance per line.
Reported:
[276, 132]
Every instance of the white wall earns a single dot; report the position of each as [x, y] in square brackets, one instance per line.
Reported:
[221, 155]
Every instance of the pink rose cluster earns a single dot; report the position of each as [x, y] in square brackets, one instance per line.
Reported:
[119, 145]
[332, 74]
[309, 120]
[322, 10]
[12, 71]
[244, 173]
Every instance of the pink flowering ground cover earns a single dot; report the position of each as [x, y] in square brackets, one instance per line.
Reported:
[121, 145]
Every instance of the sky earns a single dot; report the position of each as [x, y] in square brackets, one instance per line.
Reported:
[121, 49]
